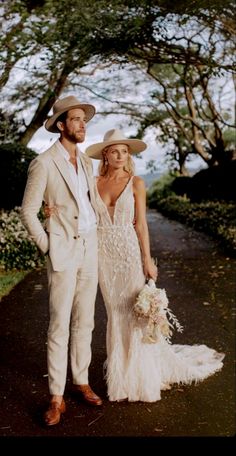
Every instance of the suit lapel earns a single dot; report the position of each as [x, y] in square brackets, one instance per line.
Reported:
[63, 169]
[86, 164]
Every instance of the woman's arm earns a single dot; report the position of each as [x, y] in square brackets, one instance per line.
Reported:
[149, 268]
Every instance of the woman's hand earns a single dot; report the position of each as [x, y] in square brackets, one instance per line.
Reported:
[48, 211]
[150, 269]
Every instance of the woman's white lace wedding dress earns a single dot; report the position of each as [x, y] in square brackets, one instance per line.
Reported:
[136, 370]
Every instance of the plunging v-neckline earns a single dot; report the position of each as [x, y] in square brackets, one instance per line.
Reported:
[117, 200]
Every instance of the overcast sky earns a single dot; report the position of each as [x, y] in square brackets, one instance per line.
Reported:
[105, 89]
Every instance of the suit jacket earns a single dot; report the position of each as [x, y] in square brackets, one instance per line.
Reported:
[49, 180]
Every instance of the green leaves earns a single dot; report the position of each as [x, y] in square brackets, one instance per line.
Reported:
[17, 249]
[45, 44]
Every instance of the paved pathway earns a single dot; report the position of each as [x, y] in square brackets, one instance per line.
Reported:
[200, 282]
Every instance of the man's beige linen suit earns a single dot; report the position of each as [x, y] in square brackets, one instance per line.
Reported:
[72, 264]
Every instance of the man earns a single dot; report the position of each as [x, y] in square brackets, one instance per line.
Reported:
[62, 177]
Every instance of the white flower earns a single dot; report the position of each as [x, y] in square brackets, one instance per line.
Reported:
[152, 305]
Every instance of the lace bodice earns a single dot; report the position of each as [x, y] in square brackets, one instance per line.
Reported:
[117, 239]
[123, 212]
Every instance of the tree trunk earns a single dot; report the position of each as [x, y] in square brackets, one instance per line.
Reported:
[181, 158]
[183, 170]
[46, 102]
[219, 155]
[196, 133]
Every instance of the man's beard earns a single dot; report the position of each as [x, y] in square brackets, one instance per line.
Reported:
[75, 137]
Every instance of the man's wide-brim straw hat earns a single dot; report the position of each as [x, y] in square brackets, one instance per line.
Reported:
[65, 104]
[112, 137]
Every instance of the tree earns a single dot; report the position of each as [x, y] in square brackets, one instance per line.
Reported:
[188, 98]
[19, 37]
[47, 43]
[50, 44]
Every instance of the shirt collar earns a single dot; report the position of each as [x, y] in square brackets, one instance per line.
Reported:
[64, 152]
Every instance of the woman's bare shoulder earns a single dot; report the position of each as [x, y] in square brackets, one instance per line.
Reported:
[138, 182]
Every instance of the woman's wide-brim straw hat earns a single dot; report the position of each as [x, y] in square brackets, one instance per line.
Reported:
[112, 137]
[65, 104]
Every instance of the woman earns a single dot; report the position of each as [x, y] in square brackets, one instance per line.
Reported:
[134, 370]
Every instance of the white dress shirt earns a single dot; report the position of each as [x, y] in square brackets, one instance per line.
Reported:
[87, 217]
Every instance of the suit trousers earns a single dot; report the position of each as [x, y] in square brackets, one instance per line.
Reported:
[72, 295]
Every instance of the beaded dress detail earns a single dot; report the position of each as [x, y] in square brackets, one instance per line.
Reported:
[135, 370]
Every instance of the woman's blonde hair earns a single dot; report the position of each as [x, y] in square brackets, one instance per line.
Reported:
[103, 165]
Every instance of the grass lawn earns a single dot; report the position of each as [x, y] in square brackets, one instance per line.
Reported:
[8, 279]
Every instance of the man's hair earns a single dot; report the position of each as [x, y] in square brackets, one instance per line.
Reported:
[62, 117]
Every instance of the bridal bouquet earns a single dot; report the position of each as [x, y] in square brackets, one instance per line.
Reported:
[152, 306]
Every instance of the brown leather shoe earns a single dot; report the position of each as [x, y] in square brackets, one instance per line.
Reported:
[86, 393]
[53, 414]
